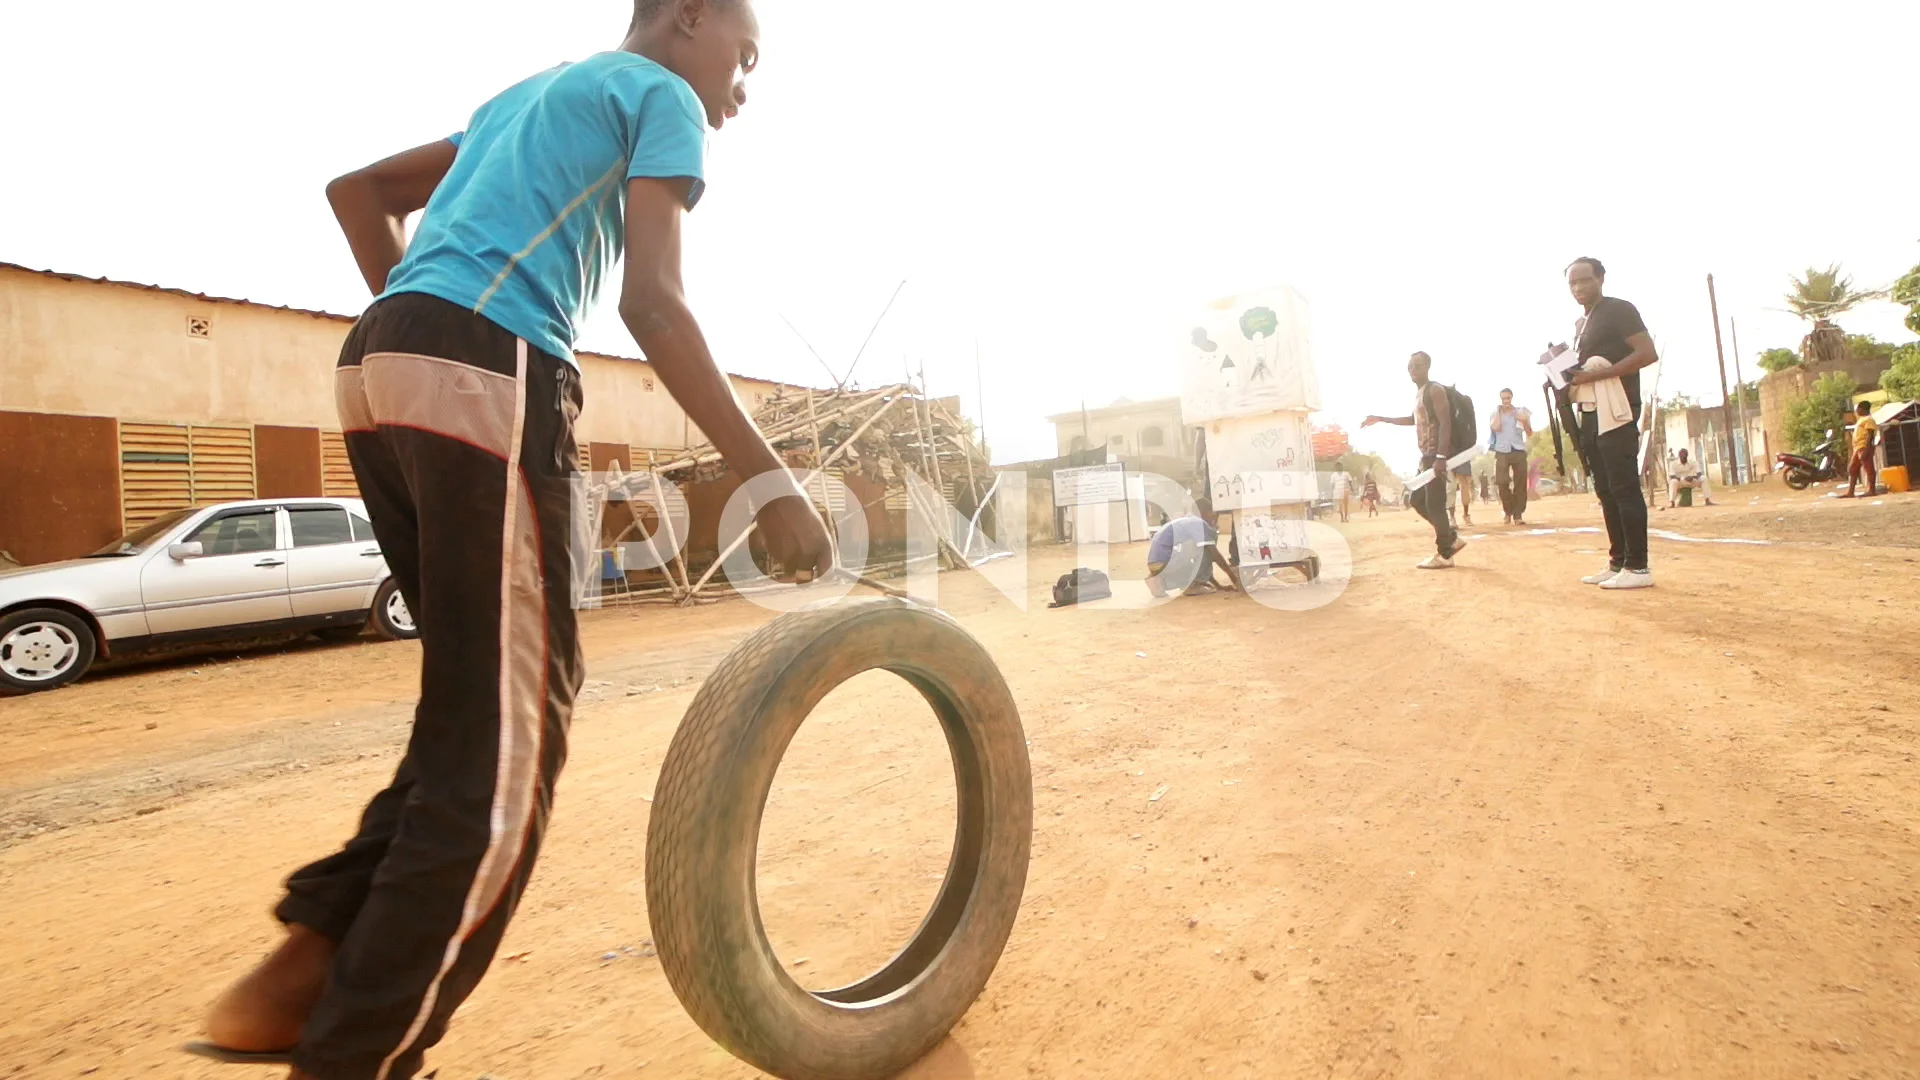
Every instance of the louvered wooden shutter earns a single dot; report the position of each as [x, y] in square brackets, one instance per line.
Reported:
[222, 464]
[336, 472]
[156, 471]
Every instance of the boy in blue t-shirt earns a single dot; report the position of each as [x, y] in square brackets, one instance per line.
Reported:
[458, 390]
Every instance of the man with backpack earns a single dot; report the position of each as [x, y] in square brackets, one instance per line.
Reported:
[1438, 424]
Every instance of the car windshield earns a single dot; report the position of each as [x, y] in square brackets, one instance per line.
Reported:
[143, 537]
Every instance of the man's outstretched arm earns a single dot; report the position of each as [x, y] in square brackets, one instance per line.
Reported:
[372, 205]
[653, 304]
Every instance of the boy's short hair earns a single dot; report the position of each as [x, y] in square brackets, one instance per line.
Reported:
[645, 10]
[1862, 407]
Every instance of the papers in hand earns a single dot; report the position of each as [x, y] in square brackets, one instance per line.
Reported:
[1425, 476]
[1558, 360]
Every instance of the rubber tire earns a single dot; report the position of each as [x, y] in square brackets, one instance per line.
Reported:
[1797, 480]
[83, 636]
[384, 626]
[703, 843]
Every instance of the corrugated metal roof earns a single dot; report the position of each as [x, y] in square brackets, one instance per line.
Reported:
[169, 290]
[64, 276]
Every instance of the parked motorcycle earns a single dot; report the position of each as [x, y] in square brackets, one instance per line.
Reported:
[1800, 472]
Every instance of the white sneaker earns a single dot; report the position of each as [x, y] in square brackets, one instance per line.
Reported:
[1600, 578]
[1435, 562]
[1629, 579]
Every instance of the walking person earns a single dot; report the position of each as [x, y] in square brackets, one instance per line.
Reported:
[458, 390]
[1512, 426]
[1613, 346]
[1370, 495]
[1343, 493]
[1463, 483]
[1432, 421]
[1865, 432]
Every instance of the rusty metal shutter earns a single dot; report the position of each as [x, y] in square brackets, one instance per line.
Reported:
[336, 472]
[156, 471]
[222, 464]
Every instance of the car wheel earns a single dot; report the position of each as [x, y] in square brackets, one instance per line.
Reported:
[43, 648]
[391, 618]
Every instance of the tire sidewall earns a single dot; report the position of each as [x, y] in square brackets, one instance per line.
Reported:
[713, 792]
[83, 634]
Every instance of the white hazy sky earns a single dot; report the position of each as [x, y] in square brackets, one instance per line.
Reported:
[1061, 181]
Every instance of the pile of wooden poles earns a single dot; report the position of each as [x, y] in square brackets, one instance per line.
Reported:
[880, 434]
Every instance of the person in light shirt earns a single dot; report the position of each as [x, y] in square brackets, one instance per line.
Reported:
[1685, 472]
[1512, 426]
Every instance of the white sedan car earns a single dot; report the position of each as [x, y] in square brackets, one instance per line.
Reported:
[208, 573]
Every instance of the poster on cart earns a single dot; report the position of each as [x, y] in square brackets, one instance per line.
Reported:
[1247, 355]
[1272, 535]
[1257, 461]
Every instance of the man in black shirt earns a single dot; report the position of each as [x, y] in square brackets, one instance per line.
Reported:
[1612, 329]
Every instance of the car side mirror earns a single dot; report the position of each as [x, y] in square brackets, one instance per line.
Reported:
[192, 549]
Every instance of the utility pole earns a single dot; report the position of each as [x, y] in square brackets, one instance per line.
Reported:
[1726, 403]
[1740, 384]
[980, 401]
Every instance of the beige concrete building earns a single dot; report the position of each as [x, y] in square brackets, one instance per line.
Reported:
[1126, 429]
[119, 401]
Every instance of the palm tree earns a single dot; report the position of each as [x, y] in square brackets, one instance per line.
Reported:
[1818, 296]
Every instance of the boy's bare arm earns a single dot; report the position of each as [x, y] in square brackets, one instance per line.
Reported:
[654, 306]
[372, 205]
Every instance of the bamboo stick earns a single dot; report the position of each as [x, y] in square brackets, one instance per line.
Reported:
[752, 525]
[666, 522]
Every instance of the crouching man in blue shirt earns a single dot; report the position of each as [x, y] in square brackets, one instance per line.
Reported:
[1183, 554]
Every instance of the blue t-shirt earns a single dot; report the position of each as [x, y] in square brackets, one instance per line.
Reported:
[1184, 530]
[533, 212]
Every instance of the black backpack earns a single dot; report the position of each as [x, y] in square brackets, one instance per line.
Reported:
[1082, 584]
[1466, 426]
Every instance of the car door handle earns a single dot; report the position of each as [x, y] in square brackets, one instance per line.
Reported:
[374, 554]
[270, 562]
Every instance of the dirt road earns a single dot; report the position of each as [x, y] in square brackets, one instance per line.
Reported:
[1486, 822]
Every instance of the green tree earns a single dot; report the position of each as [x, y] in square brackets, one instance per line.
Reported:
[1820, 295]
[1748, 393]
[1779, 359]
[1868, 347]
[1824, 408]
[1540, 450]
[1902, 380]
[1906, 291]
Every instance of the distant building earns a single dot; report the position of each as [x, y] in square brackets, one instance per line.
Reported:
[121, 401]
[1148, 436]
